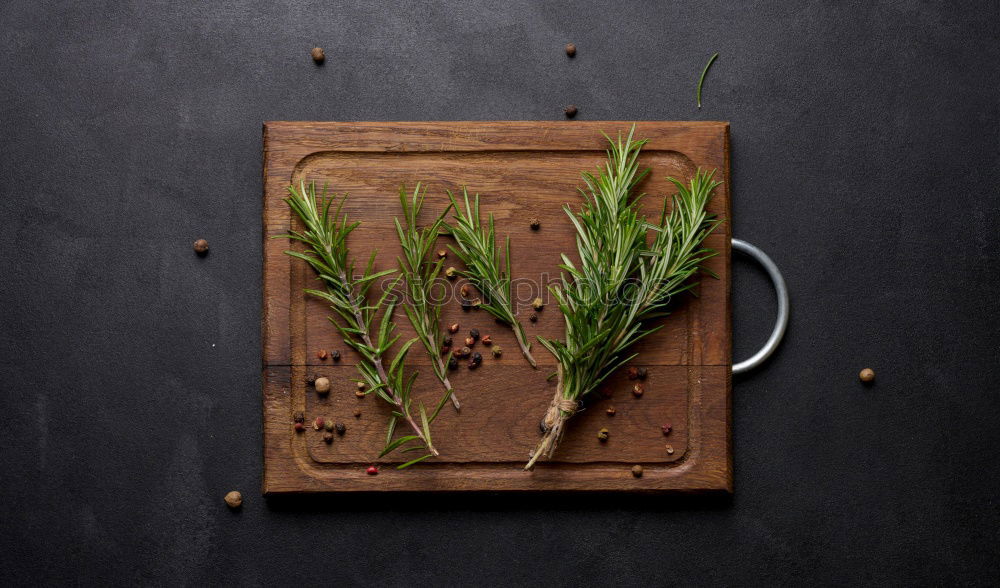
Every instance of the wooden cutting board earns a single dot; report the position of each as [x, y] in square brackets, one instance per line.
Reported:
[522, 170]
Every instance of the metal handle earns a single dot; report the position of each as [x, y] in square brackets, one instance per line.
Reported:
[782, 322]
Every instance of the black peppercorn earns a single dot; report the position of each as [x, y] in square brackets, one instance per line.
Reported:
[341, 428]
[300, 417]
[328, 437]
[310, 380]
[641, 373]
[335, 355]
[474, 333]
[535, 224]
[533, 318]
[466, 305]
[446, 341]
[452, 363]
[476, 359]
[570, 111]
[201, 247]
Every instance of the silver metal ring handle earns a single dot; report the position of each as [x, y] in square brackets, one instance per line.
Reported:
[782, 322]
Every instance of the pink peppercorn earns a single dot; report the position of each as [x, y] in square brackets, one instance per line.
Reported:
[667, 428]
[372, 470]
[299, 427]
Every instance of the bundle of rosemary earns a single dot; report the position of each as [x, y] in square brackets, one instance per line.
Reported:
[419, 274]
[326, 251]
[476, 247]
[624, 278]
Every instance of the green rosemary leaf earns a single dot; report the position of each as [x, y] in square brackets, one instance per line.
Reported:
[701, 80]
[411, 462]
[396, 443]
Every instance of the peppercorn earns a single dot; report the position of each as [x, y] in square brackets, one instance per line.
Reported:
[670, 449]
[463, 352]
[335, 355]
[611, 411]
[474, 333]
[328, 425]
[322, 385]
[535, 224]
[637, 390]
[372, 470]
[322, 354]
[666, 428]
[867, 375]
[442, 253]
[318, 55]
[311, 380]
[453, 328]
[357, 414]
[570, 49]
[299, 417]
[201, 247]
[637, 471]
[570, 111]
[361, 386]
[533, 318]
[452, 363]
[641, 373]
[328, 437]
[603, 435]
[476, 303]
[475, 361]
[446, 341]
[450, 273]
[469, 341]
[445, 349]
[234, 499]
[465, 290]
[487, 340]
[341, 429]
[537, 304]
[466, 305]
[632, 373]
[497, 351]
[318, 423]
[300, 426]
[360, 393]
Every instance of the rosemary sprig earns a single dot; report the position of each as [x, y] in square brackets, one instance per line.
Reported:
[420, 274]
[620, 282]
[477, 249]
[325, 238]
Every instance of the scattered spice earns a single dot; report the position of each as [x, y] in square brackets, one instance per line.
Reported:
[535, 224]
[476, 303]
[318, 55]
[372, 470]
[466, 305]
[463, 352]
[328, 437]
[300, 426]
[442, 253]
[867, 375]
[497, 351]
[234, 499]
[570, 111]
[445, 349]
[453, 328]
[311, 380]
[201, 247]
[632, 372]
[446, 341]
[637, 471]
[670, 449]
[452, 363]
[450, 273]
[666, 428]
[611, 411]
[469, 341]
[570, 49]
[537, 304]
[487, 340]
[335, 355]
[360, 393]
[322, 354]
[603, 435]
[341, 429]
[465, 291]
[318, 423]
[328, 425]
[475, 361]
[637, 390]
[322, 385]
[361, 386]
[533, 318]
[474, 333]
[357, 413]
[641, 373]
[299, 417]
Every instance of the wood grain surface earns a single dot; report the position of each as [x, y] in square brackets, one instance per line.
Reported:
[521, 170]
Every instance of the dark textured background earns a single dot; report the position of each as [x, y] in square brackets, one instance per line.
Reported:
[864, 159]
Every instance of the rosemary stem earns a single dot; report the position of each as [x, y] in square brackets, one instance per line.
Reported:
[522, 341]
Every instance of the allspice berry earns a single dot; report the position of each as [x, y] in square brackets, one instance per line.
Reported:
[328, 437]
[322, 385]
[201, 247]
[533, 318]
[637, 390]
[632, 373]
[318, 55]
[535, 224]
[234, 500]
[637, 471]
[570, 49]
[570, 111]
[867, 375]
